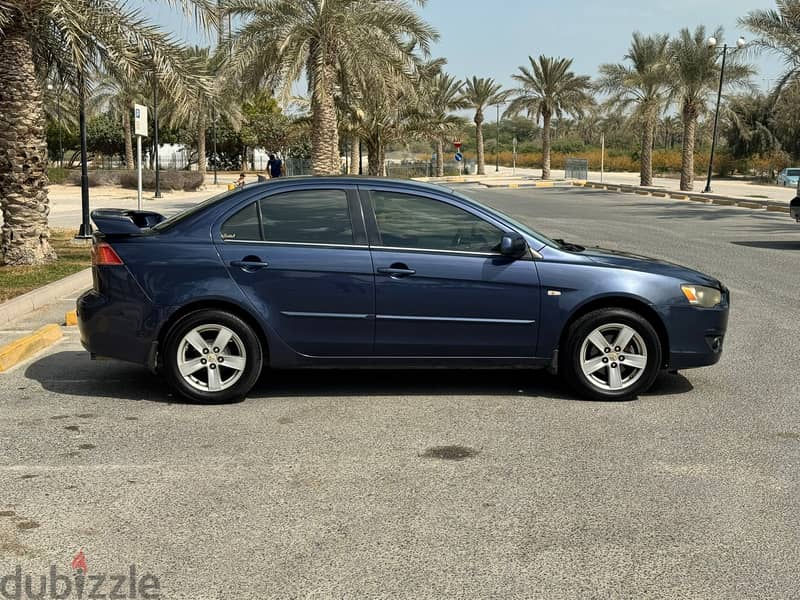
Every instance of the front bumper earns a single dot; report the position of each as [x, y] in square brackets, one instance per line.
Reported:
[696, 335]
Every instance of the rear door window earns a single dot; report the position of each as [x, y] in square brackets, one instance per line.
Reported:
[307, 216]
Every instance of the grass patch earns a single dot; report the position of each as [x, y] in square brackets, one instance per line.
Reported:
[72, 258]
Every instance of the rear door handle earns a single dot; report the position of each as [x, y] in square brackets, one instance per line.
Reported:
[397, 271]
[249, 265]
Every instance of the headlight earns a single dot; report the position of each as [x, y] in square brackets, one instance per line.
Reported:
[701, 295]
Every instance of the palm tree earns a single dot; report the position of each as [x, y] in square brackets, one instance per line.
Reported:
[750, 126]
[778, 33]
[282, 39]
[549, 89]
[434, 118]
[694, 75]
[117, 93]
[643, 84]
[478, 94]
[69, 36]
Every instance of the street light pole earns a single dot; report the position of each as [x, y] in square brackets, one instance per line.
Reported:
[497, 142]
[214, 142]
[712, 42]
[85, 230]
[60, 131]
[155, 131]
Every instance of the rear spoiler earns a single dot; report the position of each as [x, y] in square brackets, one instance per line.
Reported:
[117, 221]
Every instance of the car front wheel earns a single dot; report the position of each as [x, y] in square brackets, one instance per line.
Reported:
[611, 354]
[211, 357]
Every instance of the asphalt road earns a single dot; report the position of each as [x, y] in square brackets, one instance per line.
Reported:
[333, 485]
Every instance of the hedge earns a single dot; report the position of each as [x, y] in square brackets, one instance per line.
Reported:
[168, 180]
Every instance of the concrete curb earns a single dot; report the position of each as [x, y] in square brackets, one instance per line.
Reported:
[23, 348]
[526, 184]
[21, 305]
[717, 199]
[777, 208]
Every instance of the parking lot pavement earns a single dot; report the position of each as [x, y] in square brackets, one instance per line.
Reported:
[438, 484]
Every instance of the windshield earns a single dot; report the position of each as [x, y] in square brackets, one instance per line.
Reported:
[793, 172]
[520, 227]
[184, 214]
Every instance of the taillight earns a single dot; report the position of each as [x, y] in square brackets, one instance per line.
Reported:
[103, 255]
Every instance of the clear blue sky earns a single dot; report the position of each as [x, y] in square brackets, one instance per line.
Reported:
[494, 37]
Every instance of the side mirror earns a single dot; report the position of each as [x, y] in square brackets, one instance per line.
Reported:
[513, 245]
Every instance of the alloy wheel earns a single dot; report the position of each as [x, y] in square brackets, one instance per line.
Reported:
[211, 358]
[613, 357]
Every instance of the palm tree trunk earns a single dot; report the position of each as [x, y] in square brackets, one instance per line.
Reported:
[479, 141]
[687, 158]
[546, 146]
[439, 158]
[202, 160]
[646, 156]
[325, 130]
[355, 155]
[126, 129]
[373, 156]
[23, 155]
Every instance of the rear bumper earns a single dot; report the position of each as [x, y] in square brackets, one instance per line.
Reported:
[124, 330]
[696, 336]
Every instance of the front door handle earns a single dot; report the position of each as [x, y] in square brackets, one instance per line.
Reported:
[250, 264]
[397, 270]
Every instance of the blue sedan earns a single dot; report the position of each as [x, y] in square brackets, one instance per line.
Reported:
[348, 272]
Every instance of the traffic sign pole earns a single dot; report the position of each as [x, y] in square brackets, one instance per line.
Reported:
[140, 129]
[139, 161]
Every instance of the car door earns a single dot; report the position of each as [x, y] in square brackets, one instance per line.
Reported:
[301, 258]
[442, 288]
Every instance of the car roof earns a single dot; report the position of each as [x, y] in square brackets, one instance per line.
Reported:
[354, 180]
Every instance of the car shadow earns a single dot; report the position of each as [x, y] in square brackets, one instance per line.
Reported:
[73, 373]
[771, 244]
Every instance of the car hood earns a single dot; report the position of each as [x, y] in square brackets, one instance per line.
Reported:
[636, 262]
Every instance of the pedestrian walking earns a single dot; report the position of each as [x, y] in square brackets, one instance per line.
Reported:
[274, 166]
[241, 181]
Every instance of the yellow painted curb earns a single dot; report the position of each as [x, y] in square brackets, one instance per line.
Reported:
[749, 204]
[640, 192]
[71, 318]
[23, 348]
[513, 186]
[773, 208]
[545, 184]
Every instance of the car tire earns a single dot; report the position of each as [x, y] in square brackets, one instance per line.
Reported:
[607, 373]
[212, 357]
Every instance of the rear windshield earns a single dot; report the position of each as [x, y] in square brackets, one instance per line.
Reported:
[793, 172]
[192, 210]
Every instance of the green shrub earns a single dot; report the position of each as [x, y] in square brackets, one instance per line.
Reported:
[168, 180]
[57, 175]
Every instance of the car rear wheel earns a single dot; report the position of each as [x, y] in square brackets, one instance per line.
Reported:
[212, 357]
[611, 354]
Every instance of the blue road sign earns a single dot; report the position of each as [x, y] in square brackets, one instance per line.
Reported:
[459, 156]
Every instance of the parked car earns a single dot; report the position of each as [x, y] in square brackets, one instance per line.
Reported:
[794, 205]
[348, 272]
[789, 177]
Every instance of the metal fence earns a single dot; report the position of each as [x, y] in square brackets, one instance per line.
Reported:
[576, 168]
